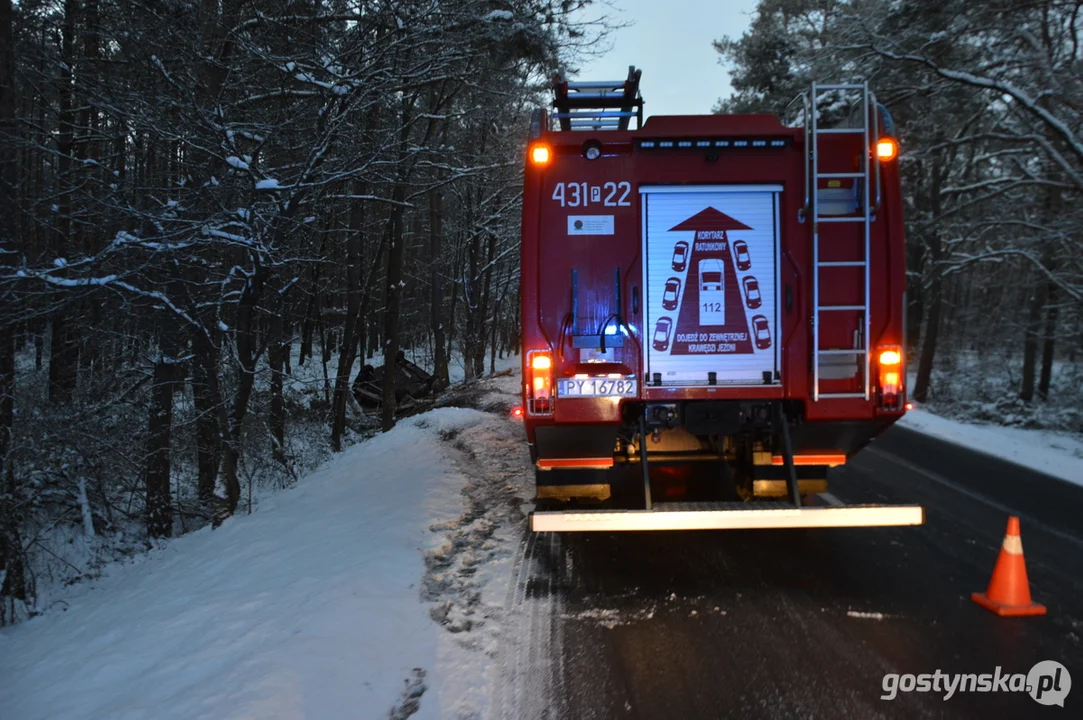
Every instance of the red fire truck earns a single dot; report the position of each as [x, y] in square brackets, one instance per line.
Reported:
[712, 310]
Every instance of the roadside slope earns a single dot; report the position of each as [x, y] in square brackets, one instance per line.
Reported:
[320, 605]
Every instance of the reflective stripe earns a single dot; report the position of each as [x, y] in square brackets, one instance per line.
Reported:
[1013, 545]
[573, 463]
[829, 459]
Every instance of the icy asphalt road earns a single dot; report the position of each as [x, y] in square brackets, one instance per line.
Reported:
[803, 623]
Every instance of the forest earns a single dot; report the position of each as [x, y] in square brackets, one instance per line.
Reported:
[215, 213]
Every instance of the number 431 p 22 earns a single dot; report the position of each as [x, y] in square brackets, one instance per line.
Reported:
[581, 194]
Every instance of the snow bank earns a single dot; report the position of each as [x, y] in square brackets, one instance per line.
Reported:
[1056, 454]
[310, 608]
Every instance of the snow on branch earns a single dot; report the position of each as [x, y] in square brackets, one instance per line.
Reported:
[111, 281]
[997, 255]
[1002, 86]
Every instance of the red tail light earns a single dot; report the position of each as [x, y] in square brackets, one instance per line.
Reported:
[539, 384]
[891, 369]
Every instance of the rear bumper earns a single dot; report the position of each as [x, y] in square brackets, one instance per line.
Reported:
[844, 436]
[566, 439]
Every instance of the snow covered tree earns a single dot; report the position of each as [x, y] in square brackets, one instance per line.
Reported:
[12, 568]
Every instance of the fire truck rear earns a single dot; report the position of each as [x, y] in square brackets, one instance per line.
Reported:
[712, 310]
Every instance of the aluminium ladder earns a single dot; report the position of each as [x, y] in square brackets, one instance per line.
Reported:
[602, 105]
[869, 133]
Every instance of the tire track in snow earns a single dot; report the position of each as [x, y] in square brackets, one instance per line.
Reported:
[527, 627]
[508, 687]
[557, 698]
[531, 641]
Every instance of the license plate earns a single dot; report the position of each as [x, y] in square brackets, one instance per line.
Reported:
[597, 387]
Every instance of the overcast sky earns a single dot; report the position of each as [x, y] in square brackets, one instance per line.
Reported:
[671, 42]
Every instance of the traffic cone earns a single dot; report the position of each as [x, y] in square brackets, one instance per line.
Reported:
[1009, 592]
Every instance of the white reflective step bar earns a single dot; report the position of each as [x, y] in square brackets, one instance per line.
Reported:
[781, 517]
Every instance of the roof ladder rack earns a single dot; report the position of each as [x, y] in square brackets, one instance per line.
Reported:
[605, 105]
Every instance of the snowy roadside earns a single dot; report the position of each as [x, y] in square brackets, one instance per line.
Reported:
[1057, 454]
[373, 588]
